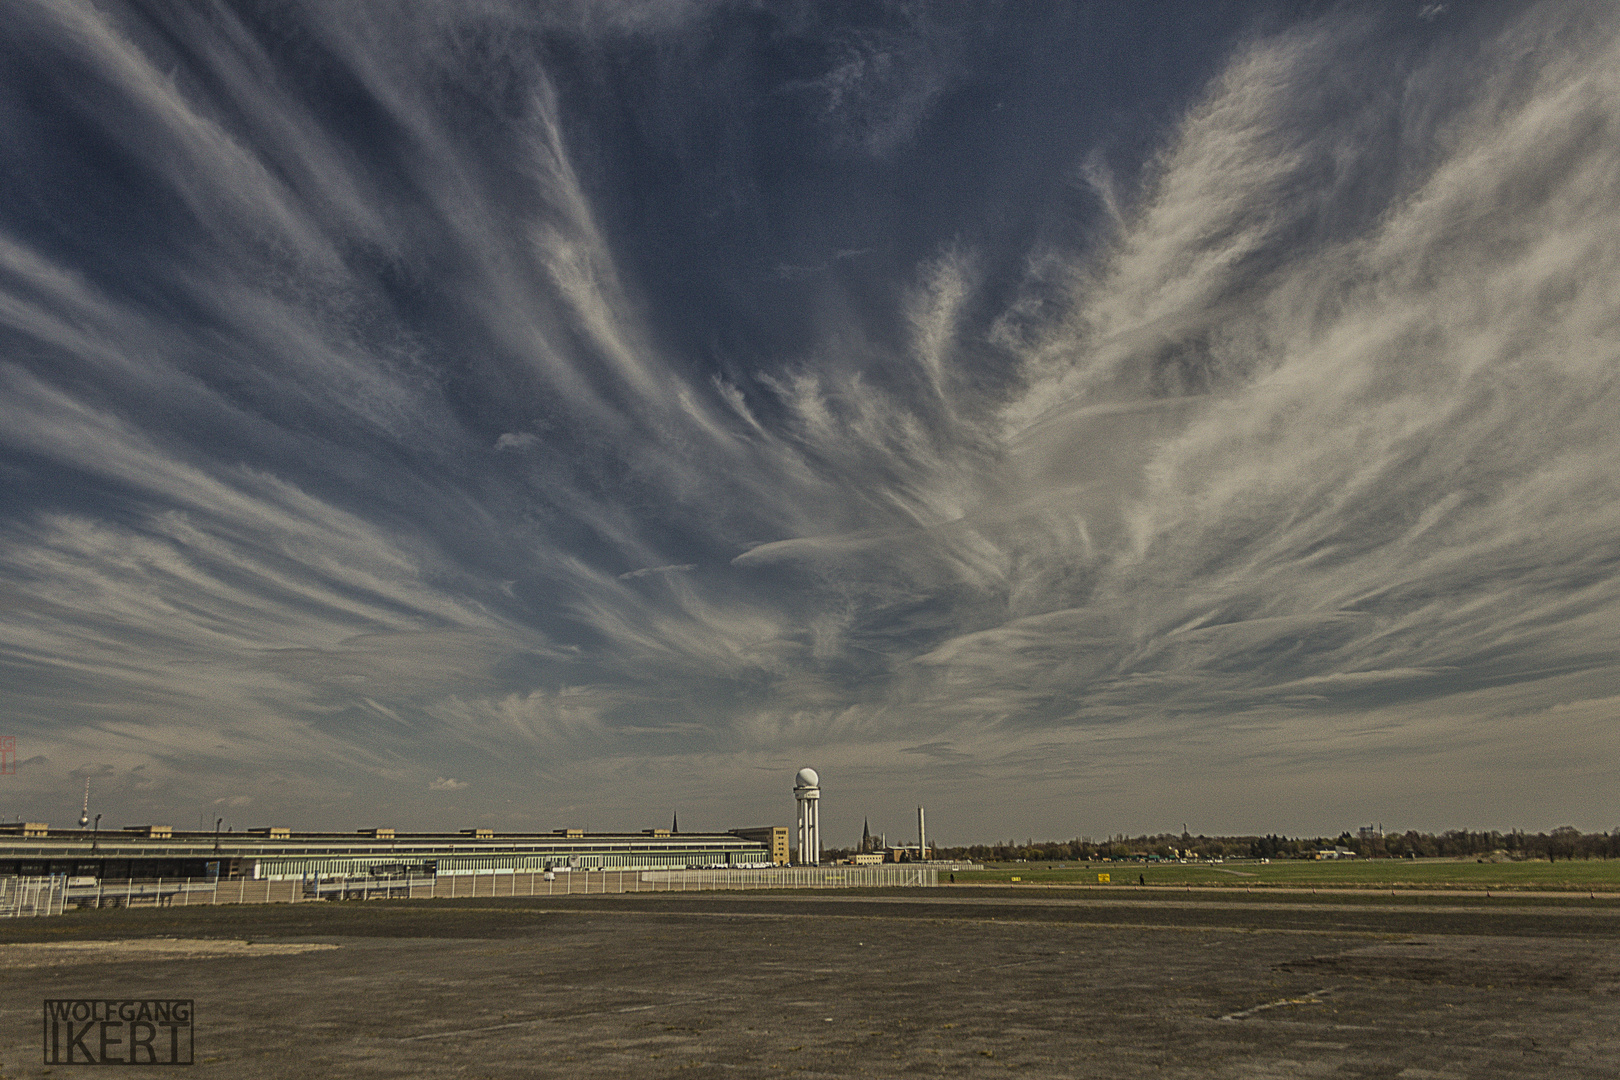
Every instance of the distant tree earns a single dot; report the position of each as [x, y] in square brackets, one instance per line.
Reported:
[1565, 842]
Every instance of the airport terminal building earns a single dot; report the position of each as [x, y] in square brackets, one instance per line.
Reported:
[158, 851]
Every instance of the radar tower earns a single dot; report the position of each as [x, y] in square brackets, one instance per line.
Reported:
[807, 788]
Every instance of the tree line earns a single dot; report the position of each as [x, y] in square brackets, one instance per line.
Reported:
[1564, 842]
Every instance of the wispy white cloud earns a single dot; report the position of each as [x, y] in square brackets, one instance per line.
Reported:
[679, 568]
[1277, 454]
[1332, 489]
[881, 83]
[517, 440]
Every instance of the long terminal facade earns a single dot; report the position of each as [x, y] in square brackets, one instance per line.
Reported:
[35, 850]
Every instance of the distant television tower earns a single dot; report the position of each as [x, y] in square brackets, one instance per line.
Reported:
[807, 789]
[84, 815]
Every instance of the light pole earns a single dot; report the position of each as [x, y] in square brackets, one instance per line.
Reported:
[217, 823]
[95, 835]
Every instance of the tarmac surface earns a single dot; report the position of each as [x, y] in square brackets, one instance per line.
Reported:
[891, 983]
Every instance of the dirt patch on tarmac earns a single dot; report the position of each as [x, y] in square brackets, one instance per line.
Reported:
[56, 954]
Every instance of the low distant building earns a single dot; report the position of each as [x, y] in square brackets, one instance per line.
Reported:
[24, 828]
[158, 851]
[775, 836]
[904, 853]
[1337, 852]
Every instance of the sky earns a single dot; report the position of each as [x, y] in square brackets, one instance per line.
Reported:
[1073, 418]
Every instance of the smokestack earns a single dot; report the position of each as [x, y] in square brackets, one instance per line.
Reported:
[922, 835]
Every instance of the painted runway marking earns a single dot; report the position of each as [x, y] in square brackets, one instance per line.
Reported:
[1313, 998]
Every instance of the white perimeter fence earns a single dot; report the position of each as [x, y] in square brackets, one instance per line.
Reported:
[21, 896]
[800, 877]
[48, 896]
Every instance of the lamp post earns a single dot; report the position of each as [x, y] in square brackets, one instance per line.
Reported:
[95, 834]
[217, 823]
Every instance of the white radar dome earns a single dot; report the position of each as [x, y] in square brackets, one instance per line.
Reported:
[808, 778]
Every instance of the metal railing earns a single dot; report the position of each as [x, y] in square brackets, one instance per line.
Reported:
[797, 877]
[186, 892]
[20, 896]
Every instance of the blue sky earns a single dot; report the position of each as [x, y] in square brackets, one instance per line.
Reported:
[1076, 419]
